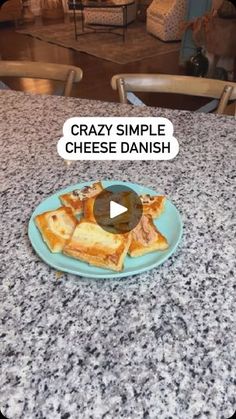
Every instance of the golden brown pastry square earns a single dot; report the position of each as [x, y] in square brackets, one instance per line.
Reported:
[75, 199]
[153, 205]
[91, 244]
[56, 227]
[145, 238]
[88, 206]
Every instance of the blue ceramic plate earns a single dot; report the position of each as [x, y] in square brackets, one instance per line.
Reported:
[169, 224]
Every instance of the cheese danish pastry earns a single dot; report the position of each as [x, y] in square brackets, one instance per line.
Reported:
[56, 227]
[75, 199]
[145, 238]
[153, 205]
[91, 244]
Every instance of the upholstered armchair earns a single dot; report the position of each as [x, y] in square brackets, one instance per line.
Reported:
[110, 16]
[164, 18]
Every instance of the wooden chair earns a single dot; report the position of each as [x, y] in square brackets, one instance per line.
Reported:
[10, 10]
[68, 74]
[163, 83]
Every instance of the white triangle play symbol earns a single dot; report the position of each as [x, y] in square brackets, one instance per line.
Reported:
[116, 209]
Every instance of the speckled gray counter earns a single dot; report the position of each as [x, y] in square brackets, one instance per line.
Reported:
[160, 345]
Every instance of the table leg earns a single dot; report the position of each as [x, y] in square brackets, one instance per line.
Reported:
[126, 20]
[125, 24]
[82, 19]
[75, 28]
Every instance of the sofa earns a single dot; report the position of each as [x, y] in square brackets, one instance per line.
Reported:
[164, 19]
[11, 10]
[110, 16]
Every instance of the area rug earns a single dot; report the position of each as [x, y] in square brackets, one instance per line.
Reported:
[137, 46]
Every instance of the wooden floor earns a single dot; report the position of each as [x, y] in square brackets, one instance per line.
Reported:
[97, 72]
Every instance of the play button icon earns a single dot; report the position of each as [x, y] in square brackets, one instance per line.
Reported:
[117, 209]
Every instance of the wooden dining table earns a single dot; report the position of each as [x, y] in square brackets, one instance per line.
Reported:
[156, 345]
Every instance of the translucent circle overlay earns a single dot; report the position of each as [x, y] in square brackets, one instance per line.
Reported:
[123, 196]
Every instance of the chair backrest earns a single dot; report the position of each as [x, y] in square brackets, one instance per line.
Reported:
[165, 83]
[68, 74]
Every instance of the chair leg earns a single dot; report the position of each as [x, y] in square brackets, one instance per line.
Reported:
[121, 91]
[69, 83]
[224, 99]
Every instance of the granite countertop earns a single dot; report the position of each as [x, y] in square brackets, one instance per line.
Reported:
[159, 345]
